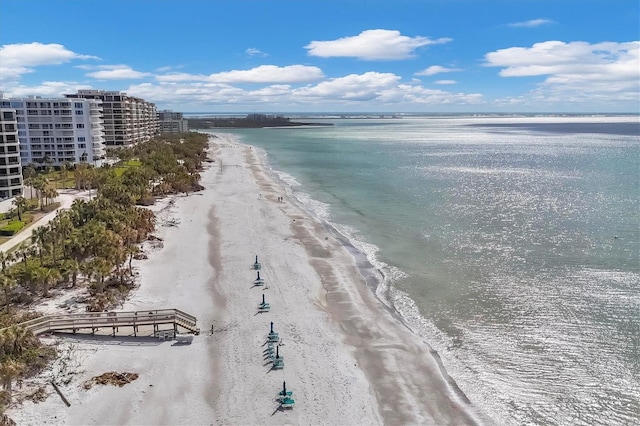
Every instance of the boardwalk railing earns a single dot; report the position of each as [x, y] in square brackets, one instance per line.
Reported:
[96, 320]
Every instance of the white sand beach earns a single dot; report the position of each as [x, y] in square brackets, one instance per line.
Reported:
[348, 360]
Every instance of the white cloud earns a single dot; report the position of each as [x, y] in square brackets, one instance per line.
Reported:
[446, 82]
[180, 76]
[579, 71]
[360, 87]
[21, 58]
[255, 52]
[117, 72]
[264, 74]
[168, 68]
[356, 90]
[46, 89]
[372, 45]
[531, 23]
[436, 69]
[269, 74]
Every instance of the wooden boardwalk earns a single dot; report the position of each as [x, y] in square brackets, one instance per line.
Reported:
[94, 321]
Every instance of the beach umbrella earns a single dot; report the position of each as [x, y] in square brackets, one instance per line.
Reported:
[277, 351]
[284, 388]
[256, 258]
[271, 327]
[263, 302]
[258, 276]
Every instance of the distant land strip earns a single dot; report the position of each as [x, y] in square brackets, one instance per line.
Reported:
[251, 121]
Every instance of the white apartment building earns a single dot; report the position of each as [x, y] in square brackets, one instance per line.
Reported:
[127, 120]
[172, 122]
[58, 130]
[10, 170]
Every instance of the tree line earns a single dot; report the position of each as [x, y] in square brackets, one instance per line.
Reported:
[95, 240]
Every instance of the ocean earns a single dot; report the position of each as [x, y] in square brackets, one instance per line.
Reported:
[510, 244]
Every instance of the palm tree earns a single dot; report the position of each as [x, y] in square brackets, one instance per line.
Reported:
[49, 194]
[21, 252]
[103, 269]
[9, 370]
[40, 236]
[21, 203]
[45, 276]
[73, 267]
[5, 258]
[23, 339]
[39, 183]
[7, 284]
[131, 250]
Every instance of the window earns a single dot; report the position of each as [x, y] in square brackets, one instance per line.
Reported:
[8, 115]
[80, 126]
[78, 105]
[81, 139]
[79, 112]
[82, 145]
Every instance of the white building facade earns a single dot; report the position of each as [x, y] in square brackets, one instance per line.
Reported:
[56, 131]
[172, 122]
[10, 169]
[127, 120]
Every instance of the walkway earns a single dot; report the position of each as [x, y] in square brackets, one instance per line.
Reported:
[97, 320]
[65, 198]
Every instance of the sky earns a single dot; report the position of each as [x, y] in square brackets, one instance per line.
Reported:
[273, 56]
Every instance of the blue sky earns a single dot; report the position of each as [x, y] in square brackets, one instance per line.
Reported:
[328, 55]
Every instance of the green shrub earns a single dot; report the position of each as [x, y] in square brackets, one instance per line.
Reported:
[11, 228]
[32, 204]
[51, 207]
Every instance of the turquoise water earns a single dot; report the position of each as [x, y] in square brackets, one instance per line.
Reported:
[511, 245]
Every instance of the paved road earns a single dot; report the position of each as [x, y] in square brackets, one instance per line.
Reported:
[65, 198]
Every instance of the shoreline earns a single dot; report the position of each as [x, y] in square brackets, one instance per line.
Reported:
[348, 360]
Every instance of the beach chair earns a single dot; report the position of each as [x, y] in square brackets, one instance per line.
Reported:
[278, 363]
[263, 306]
[256, 264]
[272, 336]
[270, 348]
[276, 359]
[258, 281]
[287, 402]
[284, 393]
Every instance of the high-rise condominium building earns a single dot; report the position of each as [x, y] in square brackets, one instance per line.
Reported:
[127, 120]
[10, 170]
[58, 131]
[172, 122]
